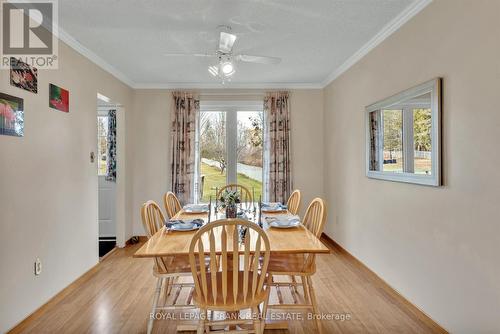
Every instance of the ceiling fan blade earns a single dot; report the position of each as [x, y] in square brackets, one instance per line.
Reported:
[226, 42]
[188, 54]
[259, 59]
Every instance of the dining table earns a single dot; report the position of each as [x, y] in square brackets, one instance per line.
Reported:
[296, 240]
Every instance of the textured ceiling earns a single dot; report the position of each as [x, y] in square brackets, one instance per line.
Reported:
[312, 37]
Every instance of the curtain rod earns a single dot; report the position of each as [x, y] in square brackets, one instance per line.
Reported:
[235, 97]
[110, 106]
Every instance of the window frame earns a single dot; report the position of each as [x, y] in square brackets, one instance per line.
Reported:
[408, 176]
[231, 109]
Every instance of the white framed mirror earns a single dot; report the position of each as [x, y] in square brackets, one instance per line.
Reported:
[403, 136]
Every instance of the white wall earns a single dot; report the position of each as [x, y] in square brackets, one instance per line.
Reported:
[48, 187]
[151, 144]
[150, 138]
[439, 247]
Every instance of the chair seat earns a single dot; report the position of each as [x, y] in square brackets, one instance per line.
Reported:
[289, 264]
[231, 304]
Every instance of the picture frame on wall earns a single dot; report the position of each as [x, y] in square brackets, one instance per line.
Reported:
[11, 115]
[58, 98]
[23, 75]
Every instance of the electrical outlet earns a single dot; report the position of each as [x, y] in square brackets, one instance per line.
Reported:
[38, 266]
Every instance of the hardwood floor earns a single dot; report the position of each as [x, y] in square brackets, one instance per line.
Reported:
[117, 298]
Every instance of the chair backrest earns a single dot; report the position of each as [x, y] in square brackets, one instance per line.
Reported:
[152, 217]
[172, 204]
[245, 195]
[315, 217]
[314, 220]
[153, 220]
[294, 202]
[223, 237]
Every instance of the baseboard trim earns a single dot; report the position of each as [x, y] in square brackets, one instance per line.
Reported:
[417, 312]
[140, 238]
[23, 324]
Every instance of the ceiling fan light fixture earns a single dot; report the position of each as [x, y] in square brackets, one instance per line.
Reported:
[213, 70]
[227, 68]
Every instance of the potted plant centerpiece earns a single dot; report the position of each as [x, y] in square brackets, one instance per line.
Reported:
[229, 199]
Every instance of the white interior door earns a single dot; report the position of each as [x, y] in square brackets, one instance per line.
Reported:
[106, 189]
[107, 208]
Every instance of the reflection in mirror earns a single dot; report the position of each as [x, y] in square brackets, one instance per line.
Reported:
[393, 140]
[403, 134]
[422, 140]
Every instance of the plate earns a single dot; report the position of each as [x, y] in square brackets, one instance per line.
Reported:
[273, 207]
[196, 208]
[284, 223]
[184, 225]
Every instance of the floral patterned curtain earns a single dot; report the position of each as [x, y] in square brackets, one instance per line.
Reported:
[374, 135]
[111, 148]
[277, 172]
[186, 107]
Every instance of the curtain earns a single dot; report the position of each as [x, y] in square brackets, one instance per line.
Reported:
[374, 136]
[277, 171]
[111, 147]
[183, 119]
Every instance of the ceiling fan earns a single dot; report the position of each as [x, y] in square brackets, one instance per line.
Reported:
[226, 59]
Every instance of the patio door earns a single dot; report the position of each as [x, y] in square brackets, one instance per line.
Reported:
[229, 147]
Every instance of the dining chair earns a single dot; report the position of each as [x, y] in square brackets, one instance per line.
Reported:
[233, 282]
[166, 269]
[172, 204]
[293, 202]
[245, 195]
[301, 265]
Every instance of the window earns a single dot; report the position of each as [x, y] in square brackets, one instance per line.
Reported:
[229, 147]
[403, 136]
[102, 144]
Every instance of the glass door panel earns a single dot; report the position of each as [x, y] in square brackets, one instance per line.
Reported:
[102, 144]
[213, 153]
[249, 151]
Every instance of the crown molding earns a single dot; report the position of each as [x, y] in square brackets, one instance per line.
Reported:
[386, 31]
[78, 47]
[216, 85]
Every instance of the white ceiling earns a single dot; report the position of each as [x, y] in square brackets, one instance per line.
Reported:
[314, 38]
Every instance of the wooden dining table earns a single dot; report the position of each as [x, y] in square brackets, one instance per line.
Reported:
[282, 241]
[296, 240]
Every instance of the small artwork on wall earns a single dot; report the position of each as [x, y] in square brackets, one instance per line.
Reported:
[23, 75]
[58, 98]
[11, 115]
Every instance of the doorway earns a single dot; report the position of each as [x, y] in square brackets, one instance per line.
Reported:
[106, 123]
[230, 147]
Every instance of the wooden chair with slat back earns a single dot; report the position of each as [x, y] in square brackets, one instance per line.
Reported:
[301, 265]
[245, 195]
[293, 202]
[233, 282]
[166, 269]
[172, 204]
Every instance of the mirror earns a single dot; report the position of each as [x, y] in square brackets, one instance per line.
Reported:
[403, 136]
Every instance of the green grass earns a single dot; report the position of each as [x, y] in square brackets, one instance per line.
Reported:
[421, 165]
[213, 179]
